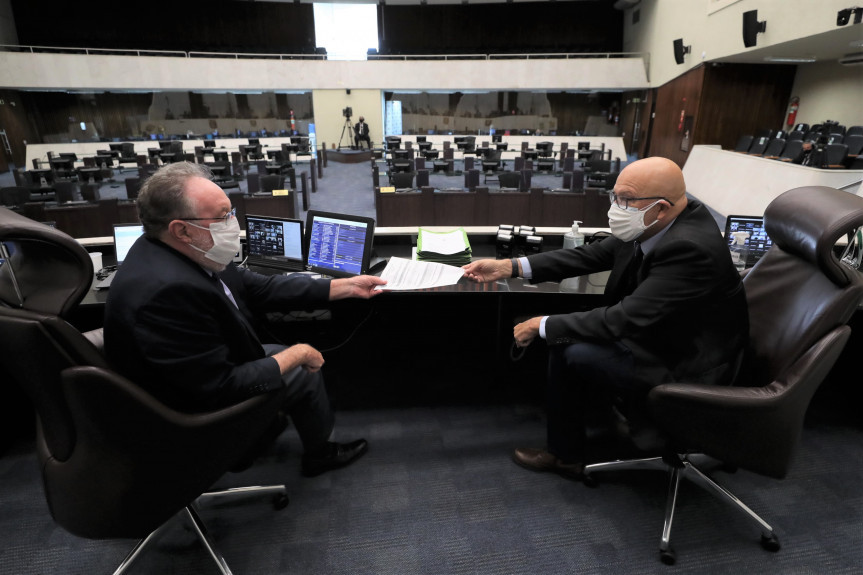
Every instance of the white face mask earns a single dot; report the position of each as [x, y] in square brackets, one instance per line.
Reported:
[627, 224]
[226, 241]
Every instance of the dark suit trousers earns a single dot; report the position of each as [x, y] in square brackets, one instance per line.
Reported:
[307, 404]
[580, 376]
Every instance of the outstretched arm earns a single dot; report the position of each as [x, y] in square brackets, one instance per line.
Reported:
[489, 270]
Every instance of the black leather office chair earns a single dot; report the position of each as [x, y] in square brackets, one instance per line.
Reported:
[510, 180]
[491, 161]
[270, 182]
[14, 196]
[801, 297]
[115, 462]
[401, 180]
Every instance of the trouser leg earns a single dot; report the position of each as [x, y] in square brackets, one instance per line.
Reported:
[307, 404]
[574, 371]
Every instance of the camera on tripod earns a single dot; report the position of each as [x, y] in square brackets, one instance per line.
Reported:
[347, 112]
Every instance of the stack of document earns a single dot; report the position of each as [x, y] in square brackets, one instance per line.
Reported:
[450, 248]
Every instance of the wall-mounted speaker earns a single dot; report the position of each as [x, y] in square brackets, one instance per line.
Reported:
[680, 50]
[752, 27]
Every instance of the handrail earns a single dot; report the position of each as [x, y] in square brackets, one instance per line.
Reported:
[278, 56]
[89, 51]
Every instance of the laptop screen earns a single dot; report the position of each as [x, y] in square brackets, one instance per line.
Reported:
[275, 243]
[757, 241]
[338, 245]
[124, 236]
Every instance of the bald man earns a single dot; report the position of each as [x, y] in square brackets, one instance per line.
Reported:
[675, 312]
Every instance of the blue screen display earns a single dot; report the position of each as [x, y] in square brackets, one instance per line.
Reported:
[337, 245]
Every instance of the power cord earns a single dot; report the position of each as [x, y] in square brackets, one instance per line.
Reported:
[323, 313]
[515, 352]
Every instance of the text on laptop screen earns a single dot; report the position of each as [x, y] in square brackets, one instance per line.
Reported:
[275, 242]
[124, 237]
[757, 241]
[338, 245]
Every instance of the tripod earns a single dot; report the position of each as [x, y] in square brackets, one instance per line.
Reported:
[350, 130]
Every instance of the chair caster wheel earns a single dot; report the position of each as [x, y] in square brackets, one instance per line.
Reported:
[667, 556]
[281, 501]
[770, 543]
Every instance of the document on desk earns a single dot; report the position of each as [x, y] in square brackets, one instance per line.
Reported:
[405, 274]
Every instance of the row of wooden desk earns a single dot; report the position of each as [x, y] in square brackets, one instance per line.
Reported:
[89, 219]
[491, 207]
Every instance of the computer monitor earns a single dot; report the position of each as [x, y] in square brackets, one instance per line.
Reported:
[275, 243]
[124, 236]
[254, 141]
[208, 143]
[338, 245]
[758, 241]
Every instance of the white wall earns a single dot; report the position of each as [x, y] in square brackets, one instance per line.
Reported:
[76, 71]
[713, 28]
[829, 91]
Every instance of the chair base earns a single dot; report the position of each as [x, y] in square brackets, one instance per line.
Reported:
[681, 466]
[280, 500]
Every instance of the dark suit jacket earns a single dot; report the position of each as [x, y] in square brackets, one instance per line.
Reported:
[170, 328]
[361, 129]
[687, 319]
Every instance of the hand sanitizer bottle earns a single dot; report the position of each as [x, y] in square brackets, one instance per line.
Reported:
[739, 250]
[573, 238]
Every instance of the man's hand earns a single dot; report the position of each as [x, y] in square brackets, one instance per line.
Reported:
[357, 286]
[488, 270]
[300, 354]
[526, 331]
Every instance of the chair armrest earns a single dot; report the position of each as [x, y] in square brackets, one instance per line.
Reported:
[756, 428]
[138, 461]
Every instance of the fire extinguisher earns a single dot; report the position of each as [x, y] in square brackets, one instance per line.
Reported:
[792, 111]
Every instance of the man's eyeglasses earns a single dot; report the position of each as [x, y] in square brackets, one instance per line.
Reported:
[226, 218]
[624, 202]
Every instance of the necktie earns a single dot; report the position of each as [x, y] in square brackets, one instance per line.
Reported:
[636, 263]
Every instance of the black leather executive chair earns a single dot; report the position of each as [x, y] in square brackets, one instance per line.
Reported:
[801, 296]
[115, 462]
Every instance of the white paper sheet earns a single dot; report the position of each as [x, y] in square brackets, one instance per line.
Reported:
[404, 274]
[443, 243]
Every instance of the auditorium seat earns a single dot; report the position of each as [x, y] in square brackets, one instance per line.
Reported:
[743, 144]
[835, 156]
[854, 131]
[792, 151]
[855, 144]
[774, 149]
[758, 146]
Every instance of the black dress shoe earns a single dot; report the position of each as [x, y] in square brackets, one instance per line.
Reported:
[541, 460]
[335, 455]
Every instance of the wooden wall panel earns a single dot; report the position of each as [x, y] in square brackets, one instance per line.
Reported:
[742, 99]
[680, 95]
[719, 104]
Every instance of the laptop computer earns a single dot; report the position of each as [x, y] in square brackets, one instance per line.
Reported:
[274, 245]
[758, 240]
[124, 236]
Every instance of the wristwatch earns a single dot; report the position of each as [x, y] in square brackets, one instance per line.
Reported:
[514, 267]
